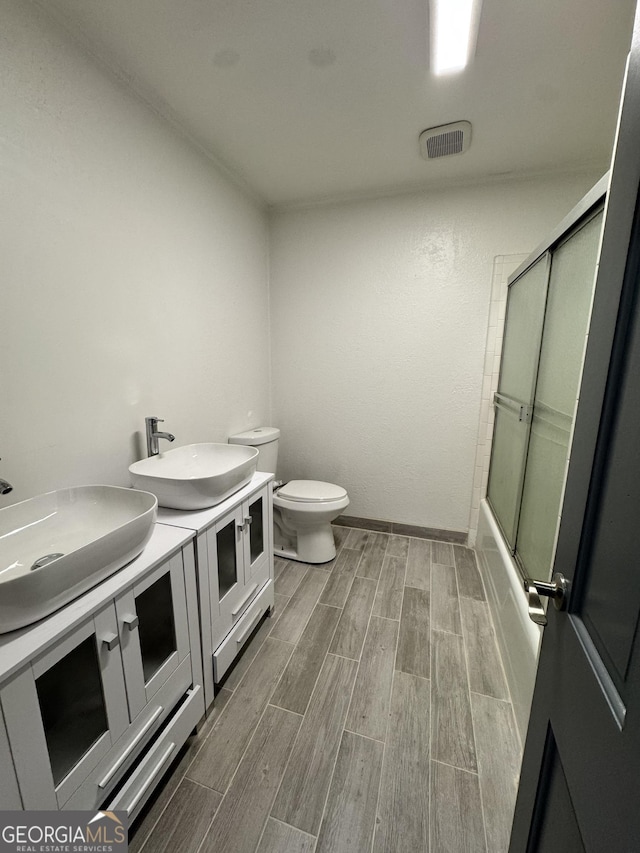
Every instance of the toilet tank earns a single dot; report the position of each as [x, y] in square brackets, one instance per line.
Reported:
[265, 440]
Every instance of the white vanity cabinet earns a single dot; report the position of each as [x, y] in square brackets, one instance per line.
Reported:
[234, 555]
[112, 679]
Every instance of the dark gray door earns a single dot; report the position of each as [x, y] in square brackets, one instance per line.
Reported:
[580, 782]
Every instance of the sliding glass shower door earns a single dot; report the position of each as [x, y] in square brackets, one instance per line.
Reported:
[520, 350]
[563, 342]
[548, 311]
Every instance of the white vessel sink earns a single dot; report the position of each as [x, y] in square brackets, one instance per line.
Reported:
[197, 475]
[56, 546]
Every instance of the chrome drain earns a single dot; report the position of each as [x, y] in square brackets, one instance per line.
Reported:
[43, 561]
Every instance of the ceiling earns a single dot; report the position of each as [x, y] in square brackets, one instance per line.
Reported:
[304, 100]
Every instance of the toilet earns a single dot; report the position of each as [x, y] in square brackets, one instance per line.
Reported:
[302, 509]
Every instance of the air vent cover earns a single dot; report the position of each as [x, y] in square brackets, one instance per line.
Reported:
[445, 140]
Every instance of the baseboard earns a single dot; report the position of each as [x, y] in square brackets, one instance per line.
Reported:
[457, 537]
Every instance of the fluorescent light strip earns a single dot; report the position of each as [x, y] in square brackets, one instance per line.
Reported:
[454, 31]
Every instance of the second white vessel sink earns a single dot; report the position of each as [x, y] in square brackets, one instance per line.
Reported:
[56, 546]
[197, 475]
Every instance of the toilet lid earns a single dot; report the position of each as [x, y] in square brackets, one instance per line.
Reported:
[311, 490]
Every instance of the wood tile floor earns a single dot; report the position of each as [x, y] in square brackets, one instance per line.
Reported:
[368, 714]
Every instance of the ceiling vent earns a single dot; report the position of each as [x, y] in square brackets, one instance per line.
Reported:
[445, 140]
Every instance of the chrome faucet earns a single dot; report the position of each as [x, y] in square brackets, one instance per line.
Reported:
[153, 435]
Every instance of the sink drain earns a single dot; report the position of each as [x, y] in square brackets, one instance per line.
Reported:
[42, 561]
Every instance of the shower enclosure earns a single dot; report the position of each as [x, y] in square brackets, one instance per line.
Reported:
[548, 310]
[547, 321]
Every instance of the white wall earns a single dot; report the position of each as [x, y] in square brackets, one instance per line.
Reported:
[134, 277]
[379, 323]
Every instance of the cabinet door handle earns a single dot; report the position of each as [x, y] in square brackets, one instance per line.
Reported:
[244, 601]
[132, 746]
[249, 628]
[248, 519]
[110, 641]
[157, 767]
[131, 622]
[245, 523]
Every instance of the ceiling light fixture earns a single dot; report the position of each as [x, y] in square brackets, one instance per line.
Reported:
[453, 28]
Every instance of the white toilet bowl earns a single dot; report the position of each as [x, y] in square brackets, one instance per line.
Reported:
[302, 514]
[302, 509]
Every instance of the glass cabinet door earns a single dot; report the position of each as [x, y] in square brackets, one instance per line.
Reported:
[514, 400]
[256, 526]
[229, 566]
[153, 626]
[157, 626]
[65, 712]
[225, 553]
[74, 712]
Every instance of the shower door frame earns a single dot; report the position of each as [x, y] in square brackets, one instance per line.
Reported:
[522, 270]
[587, 208]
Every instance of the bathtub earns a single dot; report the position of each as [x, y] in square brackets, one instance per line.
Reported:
[518, 637]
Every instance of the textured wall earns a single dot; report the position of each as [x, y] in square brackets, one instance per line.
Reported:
[379, 321]
[134, 276]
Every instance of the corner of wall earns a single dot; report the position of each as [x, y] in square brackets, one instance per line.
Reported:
[269, 316]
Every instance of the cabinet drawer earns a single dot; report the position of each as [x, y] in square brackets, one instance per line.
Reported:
[94, 789]
[137, 789]
[226, 652]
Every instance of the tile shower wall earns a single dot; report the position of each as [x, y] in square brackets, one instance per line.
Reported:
[503, 266]
[134, 274]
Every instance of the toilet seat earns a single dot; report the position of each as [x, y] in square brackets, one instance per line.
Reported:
[311, 491]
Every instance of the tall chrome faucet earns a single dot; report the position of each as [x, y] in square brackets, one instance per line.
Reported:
[153, 435]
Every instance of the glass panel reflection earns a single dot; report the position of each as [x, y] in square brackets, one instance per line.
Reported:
[72, 706]
[156, 626]
[523, 330]
[227, 566]
[563, 342]
[256, 534]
